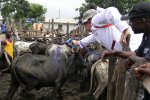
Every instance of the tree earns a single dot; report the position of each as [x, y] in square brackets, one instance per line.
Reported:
[22, 9]
[17, 8]
[37, 12]
[123, 5]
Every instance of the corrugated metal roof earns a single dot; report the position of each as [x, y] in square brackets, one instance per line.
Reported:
[72, 21]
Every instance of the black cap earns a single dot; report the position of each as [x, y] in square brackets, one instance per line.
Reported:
[141, 9]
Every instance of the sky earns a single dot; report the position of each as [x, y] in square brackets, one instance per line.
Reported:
[60, 8]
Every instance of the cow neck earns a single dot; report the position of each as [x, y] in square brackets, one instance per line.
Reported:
[70, 64]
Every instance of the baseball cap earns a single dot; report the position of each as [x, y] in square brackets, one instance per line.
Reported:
[88, 14]
[141, 9]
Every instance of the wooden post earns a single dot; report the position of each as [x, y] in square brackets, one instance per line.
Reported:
[7, 24]
[116, 80]
[67, 30]
[111, 81]
[121, 74]
[12, 22]
[131, 87]
[20, 26]
[52, 30]
[49, 23]
[35, 31]
[81, 30]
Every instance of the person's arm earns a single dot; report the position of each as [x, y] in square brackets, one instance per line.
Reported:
[124, 36]
[142, 69]
[85, 41]
[122, 54]
[3, 42]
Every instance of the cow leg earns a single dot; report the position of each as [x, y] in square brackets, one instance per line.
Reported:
[57, 89]
[14, 86]
[26, 91]
[101, 84]
[99, 90]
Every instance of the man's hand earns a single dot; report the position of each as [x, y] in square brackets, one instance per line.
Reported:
[107, 53]
[72, 43]
[142, 69]
[124, 36]
[134, 61]
[128, 63]
[75, 42]
[123, 39]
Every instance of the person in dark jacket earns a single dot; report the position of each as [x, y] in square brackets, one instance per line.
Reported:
[139, 17]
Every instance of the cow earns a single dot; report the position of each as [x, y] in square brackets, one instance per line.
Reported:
[100, 71]
[64, 51]
[38, 48]
[90, 58]
[36, 71]
[54, 48]
[22, 47]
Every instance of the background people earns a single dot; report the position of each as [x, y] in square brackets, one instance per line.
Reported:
[139, 17]
[3, 28]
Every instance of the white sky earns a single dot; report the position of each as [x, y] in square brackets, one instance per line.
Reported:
[60, 8]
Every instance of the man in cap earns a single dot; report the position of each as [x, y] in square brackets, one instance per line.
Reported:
[139, 17]
[106, 27]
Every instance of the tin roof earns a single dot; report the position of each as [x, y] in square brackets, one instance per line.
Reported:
[71, 21]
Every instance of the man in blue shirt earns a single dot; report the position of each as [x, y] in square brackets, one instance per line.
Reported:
[3, 28]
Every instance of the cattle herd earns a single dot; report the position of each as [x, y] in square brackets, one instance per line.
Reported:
[38, 65]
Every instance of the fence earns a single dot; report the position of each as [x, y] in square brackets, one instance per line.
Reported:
[122, 84]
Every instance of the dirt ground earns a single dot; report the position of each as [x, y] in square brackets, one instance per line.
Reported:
[71, 90]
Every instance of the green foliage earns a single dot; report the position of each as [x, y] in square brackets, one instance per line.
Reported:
[123, 5]
[22, 9]
[37, 12]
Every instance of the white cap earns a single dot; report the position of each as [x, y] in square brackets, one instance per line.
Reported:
[89, 14]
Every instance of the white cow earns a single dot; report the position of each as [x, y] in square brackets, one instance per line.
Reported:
[100, 71]
[22, 47]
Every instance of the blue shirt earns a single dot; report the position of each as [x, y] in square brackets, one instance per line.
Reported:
[3, 28]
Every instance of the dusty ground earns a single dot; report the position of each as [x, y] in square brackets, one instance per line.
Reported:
[71, 90]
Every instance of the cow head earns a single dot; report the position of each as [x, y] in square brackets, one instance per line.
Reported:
[75, 63]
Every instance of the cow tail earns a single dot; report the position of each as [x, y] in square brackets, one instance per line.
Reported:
[8, 62]
[92, 71]
[13, 69]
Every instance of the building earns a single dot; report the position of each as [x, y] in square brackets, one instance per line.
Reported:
[60, 24]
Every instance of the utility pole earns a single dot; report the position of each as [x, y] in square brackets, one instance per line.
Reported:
[59, 13]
